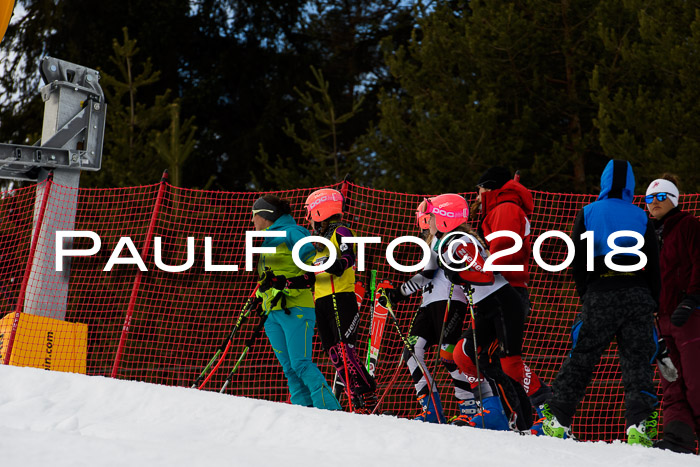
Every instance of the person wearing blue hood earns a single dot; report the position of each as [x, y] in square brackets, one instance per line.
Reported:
[289, 310]
[619, 300]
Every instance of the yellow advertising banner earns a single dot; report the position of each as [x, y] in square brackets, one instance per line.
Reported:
[45, 343]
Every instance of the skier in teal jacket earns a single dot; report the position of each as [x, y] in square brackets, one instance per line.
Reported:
[291, 317]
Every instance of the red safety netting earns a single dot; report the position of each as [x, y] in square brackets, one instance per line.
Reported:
[164, 327]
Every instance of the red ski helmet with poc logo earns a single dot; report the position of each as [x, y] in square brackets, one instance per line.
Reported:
[450, 210]
[322, 204]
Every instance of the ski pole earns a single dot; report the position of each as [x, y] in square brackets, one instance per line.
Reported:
[226, 344]
[476, 349]
[442, 330]
[359, 296]
[384, 301]
[342, 345]
[248, 345]
[392, 381]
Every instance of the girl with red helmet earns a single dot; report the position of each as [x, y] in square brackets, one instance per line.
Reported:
[439, 297]
[498, 316]
[337, 313]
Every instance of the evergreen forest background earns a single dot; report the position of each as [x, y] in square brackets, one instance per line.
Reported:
[410, 96]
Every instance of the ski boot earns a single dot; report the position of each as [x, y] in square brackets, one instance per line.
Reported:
[365, 403]
[431, 413]
[552, 427]
[643, 432]
[467, 409]
[678, 437]
[536, 428]
[491, 416]
[538, 399]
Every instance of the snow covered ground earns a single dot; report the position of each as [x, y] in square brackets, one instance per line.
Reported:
[62, 419]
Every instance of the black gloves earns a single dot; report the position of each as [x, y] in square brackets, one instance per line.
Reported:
[336, 268]
[395, 296]
[256, 306]
[685, 308]
[663, 361]
[270, 281]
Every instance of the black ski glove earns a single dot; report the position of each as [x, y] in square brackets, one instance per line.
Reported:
[688, 305]
[256, 306]
[395, 296]
[271, 281]
[336, 268]
[663, 362]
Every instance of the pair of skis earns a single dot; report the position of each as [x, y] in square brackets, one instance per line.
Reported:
[379, 315]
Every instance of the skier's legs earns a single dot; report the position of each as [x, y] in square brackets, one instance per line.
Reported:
[510, 333]
[488, 322]
[420, 337]
[299, 331]
[362, 385]
[275, 332]
[453, 333]
[593, 331]
[637, 347]
[417, 367]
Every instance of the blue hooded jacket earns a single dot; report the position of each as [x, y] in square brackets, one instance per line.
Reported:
[612, 212]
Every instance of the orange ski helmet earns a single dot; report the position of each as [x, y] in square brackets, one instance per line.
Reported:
[450, 211]
[323, 203]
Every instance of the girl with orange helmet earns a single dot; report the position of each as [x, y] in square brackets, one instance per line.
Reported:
[438, 298]
[337, 313]
[498, 315]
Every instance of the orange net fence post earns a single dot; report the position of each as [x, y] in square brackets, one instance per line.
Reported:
[177, 320]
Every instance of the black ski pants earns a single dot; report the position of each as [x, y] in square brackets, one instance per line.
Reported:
[626, 314]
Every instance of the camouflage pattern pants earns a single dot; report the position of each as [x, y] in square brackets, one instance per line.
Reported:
[625, 314]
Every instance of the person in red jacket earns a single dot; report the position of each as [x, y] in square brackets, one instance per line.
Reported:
[506, 205]
[679, 316]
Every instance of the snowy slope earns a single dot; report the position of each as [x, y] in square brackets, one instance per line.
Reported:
[61, 419]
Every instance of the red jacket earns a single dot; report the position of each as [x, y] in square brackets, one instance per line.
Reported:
[680, 260]
[507, 209]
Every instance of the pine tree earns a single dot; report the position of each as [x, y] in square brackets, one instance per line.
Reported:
[648, 94]
[484, 83]
[344, 40]
[175, 144]
[323, 160]
[128, 155]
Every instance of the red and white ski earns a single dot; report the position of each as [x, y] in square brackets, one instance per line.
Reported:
[379, 315]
